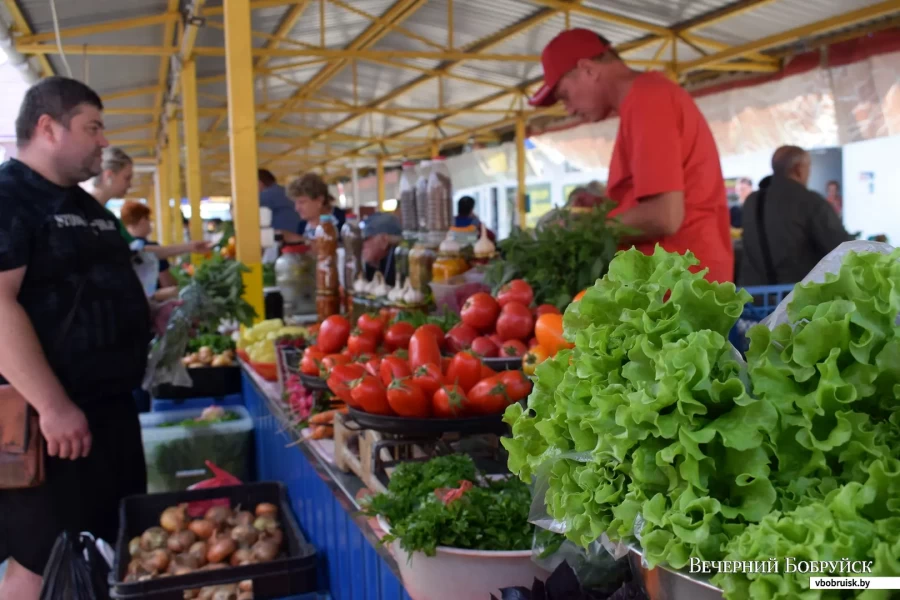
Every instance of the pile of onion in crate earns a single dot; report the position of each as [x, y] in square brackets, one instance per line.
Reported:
[221, 538]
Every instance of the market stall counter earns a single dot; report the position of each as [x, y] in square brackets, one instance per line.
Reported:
[352, 564]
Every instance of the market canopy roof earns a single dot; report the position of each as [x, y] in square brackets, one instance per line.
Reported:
[339, 82]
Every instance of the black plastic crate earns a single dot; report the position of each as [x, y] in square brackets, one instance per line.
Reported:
[209, 382]
[287, 576]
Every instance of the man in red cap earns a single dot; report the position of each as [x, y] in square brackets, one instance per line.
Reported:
[665, 173]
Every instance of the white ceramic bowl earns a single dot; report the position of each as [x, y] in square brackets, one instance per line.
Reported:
[457, 574]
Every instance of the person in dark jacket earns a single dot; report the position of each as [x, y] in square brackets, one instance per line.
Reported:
[788, 228]
[381, 234]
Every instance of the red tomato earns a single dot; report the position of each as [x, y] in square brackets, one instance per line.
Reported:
[464, 370]
[340, 378]
[449, 401]
[460, 338]
[546, 309]
[423, 349]
[532, 343]
[516, 290]
[362, 342]
[536, 355]
[408, 400]
[515, 322]
[445, 363]
[480, 311]
[436, 331]
[373, 365]
[512, 349]
[333, 334]
[311, 361]
[498, 341]
[369, 394]
[330, 362]
[397, 336]
[489, 396]
[485, 347]
[428, 377]
[392, 368]
[371, 323]
[518, 386]
[486, 372]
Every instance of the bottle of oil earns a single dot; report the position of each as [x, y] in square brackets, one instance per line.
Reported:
[328, 299]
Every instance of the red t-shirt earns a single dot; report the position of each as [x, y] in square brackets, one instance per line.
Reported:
[665, 145]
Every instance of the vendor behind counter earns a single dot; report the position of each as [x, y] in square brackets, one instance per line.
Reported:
[381, 234]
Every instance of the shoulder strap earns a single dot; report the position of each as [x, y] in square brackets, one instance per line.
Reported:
[771, 278]
[70, 316]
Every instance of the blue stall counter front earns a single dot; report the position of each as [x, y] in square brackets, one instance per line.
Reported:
[352, 565]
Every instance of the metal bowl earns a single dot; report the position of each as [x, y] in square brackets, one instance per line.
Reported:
[661, 583]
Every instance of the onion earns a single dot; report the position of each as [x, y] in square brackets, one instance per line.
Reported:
[218, 515]
[156, 561]
[276, 537]
[134, 546]
[191, 594]
[173, 518]
[264, 551]
[246, 585]
[266, 509]
[245, 596]
[245, 517]
[154, 539]
[202, 528]
[181, 541]
[240, 556]
[215, 567]
[135, 567]
[244, 535]
[198, 551]
[220, 549]
[183, 564]
[225, 592]
[265, 523]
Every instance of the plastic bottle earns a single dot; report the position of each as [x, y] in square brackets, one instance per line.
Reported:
[295, 278]
[408, 219]
[440, 197]
[422, 195]
[328, 299]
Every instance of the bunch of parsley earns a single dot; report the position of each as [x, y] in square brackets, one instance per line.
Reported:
[492, 515]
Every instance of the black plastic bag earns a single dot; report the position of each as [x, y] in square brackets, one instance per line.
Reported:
[76, 570]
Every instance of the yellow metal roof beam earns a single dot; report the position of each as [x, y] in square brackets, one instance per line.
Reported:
[140, 91]
[875, 11]
[23, 28]
[103, 27]
[129, 129]
[396, 27]
[288, 21]
[723, 14]
[163, 71]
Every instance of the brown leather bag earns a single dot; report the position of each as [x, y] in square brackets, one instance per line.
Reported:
[21, 442]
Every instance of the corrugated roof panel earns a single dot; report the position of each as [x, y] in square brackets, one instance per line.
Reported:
[107, 73]
[341, 26]
[658, 12]
[373, 81]
[76, 14]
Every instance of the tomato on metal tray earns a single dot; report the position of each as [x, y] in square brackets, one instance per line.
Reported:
[518, 386]
[397, 336]
[515, 322]
[498, 341]
[340, 378]
[333, 334]
[373, 366]
[464, 370]
[486, 371]
[370, 395]
[393, 368]
[423, 349]
[485, 347]
[512, 349]
[311, 361]
[480, 311]
[362, 342]
[546, 309]
[460, 337]
[330, 362]
[371, 323]
[436, 331]
[549, 333]
[428, 377]
[449, 402]
[489, 396]
[535, 356]
[408, 400]
[516, 290]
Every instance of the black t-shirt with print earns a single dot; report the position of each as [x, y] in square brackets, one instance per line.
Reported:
[63, 236]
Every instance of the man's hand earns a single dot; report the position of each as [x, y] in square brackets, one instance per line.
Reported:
[66, 430]
[200, 246]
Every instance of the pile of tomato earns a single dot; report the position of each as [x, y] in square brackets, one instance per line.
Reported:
[397, 369]
[507, 326]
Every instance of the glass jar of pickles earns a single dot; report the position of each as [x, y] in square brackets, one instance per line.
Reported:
[450, 260]
[421, 261]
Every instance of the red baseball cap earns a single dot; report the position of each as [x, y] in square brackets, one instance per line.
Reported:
[561, 56]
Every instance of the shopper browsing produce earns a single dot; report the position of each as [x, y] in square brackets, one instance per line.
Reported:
[75, 328]
[665, 173]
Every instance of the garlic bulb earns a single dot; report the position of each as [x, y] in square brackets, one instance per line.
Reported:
[359, 286]
[379, 289]
[396, 294]
[449, 245]
[484, 247]
[412, 295]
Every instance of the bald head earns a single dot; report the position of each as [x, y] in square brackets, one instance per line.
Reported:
[792, 162]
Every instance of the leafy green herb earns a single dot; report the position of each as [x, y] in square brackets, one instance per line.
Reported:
[268, 273]
[561, 259]
[491, 515]
[446, 320]
[218, 343]
[228, 416]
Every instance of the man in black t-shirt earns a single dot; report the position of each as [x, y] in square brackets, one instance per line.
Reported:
[61, 254]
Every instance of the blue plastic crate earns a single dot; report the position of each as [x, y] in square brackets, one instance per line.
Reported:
[163, 404]
[765, 299]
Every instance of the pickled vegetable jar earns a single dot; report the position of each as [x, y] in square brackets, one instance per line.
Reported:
[447, 265]
[421, 261]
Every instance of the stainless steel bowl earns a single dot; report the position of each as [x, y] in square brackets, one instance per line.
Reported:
[661, 583]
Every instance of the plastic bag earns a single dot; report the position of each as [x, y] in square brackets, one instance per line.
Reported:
[594, 566]
[221, 478]
[76, 570]
[830, 264]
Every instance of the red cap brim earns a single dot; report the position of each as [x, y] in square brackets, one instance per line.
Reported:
[545, 96]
